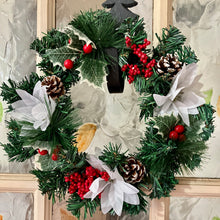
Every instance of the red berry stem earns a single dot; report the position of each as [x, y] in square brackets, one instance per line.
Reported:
[144, 67]
[80, 182]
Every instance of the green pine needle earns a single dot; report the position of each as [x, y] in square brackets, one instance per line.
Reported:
[112, 156]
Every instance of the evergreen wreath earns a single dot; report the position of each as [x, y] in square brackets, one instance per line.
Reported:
[43, 121]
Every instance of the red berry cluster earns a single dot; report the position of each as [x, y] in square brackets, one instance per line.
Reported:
[144, 68]
[80, 183]
[177, 133]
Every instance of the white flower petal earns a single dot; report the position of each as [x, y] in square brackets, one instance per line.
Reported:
[183, 98]
[36, 109]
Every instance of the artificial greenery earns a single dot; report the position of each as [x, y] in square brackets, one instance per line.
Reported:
[8, 90]
[112, 156]
[15, 149]
[162, 156]
[51, 41]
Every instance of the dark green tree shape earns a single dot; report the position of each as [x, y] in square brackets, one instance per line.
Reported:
[119, 8]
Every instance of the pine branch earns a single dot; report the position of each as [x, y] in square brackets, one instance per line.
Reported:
[52, 183]
[147, 106]
[152, 85]
[8, 92]
[112, 156]
[75, 203]
[15, 149]
[170, 41]
[187, 55]
[52, 40]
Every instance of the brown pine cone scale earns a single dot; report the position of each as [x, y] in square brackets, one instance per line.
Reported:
[168, 66]
[133, 171]
[54, 86]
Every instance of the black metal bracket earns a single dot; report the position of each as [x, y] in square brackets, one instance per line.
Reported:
[119, 10]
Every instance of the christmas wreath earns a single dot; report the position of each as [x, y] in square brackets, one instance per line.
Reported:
[43, 121]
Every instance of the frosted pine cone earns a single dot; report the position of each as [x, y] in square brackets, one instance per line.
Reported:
[168, 66]
[133, 171]
[54, 86]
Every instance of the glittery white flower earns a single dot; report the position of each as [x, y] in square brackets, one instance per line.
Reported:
[36, 109]
[183, 97]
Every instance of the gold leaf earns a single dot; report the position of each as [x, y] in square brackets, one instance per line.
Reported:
[85, 135]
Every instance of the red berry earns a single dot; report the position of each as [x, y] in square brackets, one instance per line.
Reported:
[68, 64]
[54, 157]
[173, 135]
[182, 138]
[179, 129]
[42, 152]
[87, 48]
[69, 41]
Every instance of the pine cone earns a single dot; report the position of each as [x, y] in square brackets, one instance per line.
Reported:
[54, 86]
[133, 171]
[168, 66]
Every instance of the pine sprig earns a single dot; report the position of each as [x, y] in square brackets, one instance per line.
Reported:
[75, 203]
[8, 92]
[152, 85]
[134, 28]
[170, 41]
[52, 183]
[147, 106]
[112, 156]
[187, 55]
[15, 149]
[52, 40]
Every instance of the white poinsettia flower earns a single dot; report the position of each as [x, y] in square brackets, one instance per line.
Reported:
[114, 192]
[36, 109]
[183, 97]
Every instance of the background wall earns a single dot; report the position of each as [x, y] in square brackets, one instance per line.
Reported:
[18, 30]
[199, 21]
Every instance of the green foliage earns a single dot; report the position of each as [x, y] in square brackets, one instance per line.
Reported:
[164, 158]
[15, 149]
[147, 106]
[94, 70]
[187, 55]
[134, 28]
[9, 93]
[136, 209]
[51, 182]
[153, 85]
[75, 203]
[59, 55]
[54, 40]
[63, 124]
[206, 115]
[112, 156]
[100, 27]
[170, 41]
